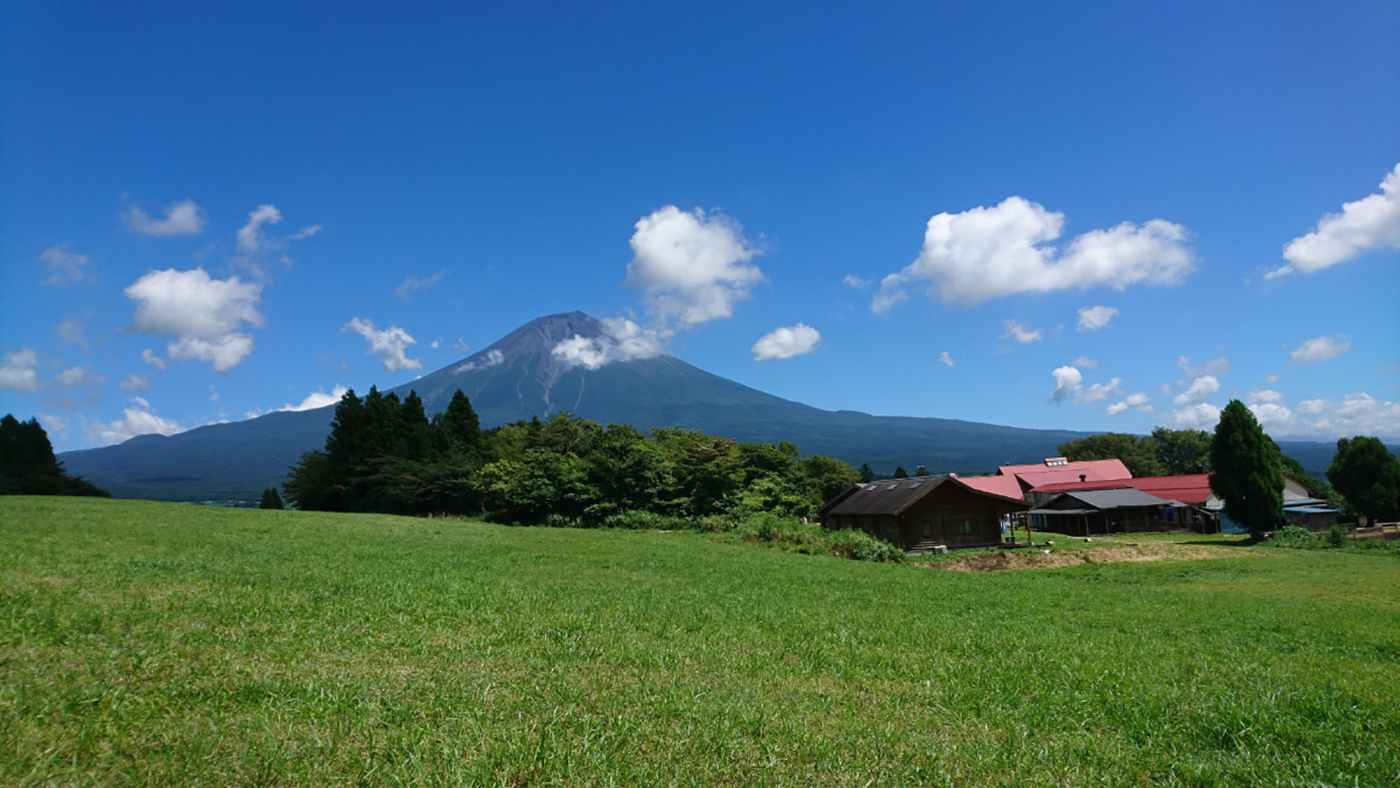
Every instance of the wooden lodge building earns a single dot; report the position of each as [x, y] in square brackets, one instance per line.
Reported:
[1123, 510]
[922, 512]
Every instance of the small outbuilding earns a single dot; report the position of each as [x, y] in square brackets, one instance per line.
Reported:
[1088, 512]
[922, 512]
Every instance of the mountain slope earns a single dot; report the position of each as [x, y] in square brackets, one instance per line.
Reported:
[518, 377]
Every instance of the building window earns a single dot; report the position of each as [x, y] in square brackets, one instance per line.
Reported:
[928, 529]
[967, 526]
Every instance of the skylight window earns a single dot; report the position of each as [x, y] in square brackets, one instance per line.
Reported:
[892, 486]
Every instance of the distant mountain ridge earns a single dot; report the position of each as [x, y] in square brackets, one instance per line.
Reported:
[518, 377]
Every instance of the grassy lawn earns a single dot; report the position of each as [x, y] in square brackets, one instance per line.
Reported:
[160, 644]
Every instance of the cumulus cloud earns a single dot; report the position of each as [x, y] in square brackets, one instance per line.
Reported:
[202, 313]
[1218, 366]
[1320, 349]
[135, 382]
[412, 284]
[1358, 413]
[1200, 416]
[493, 358]
[1067, 382]
[63, 266]
[461, 346]
[1138, 401]
[1093, 318]
[389, 345]
[149, 356]
[250, 238]
[317, 399]
[889, 295]
[1018, 331]
[691, 267]
[987, 253]
[1265, 396]
[852, 280]
[786, 342]
[18, 373]
[1086, 362]
[1200, 390]
[945, 358]
[181, 218]
[137, 421]
[621, 340]
[76, 376]
[1100, 391]
[1368, 224]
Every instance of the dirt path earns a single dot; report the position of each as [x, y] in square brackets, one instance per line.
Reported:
[1034, 558]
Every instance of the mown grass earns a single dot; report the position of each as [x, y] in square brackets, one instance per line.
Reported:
[160, 644]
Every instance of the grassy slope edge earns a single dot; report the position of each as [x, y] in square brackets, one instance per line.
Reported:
[177, 645]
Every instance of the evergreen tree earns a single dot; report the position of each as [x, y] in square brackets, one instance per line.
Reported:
[900, 473]
[1365, 471]
[458, 427]
[28, 465]
[1247, 473]
[270, 499]
[921, 471]
[866, 475]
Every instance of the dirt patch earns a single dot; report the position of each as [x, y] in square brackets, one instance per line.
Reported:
[1032, 558]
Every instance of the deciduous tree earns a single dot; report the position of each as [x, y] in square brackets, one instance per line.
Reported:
[1365, 471]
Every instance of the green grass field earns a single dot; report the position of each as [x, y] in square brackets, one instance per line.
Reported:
[161, 644]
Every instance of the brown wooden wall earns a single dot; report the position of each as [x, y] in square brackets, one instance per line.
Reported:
[947, 505]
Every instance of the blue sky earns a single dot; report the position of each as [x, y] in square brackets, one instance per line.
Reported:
[1097, 217]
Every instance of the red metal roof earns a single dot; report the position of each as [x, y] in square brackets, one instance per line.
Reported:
[1005, 486]
[1191, 488]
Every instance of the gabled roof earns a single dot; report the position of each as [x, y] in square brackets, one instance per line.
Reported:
[1005, 486]
[1191, 488]
[893, 496]
[1104, 499]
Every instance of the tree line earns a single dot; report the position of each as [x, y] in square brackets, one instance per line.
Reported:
[385, 455]
[28, 465]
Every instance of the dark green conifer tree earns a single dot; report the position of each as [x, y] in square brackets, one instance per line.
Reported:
[900, 473]
[1247, 470]
[270, 499]
[458, 427]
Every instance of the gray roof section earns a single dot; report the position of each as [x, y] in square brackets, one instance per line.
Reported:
[1108, 499]
[889, 496]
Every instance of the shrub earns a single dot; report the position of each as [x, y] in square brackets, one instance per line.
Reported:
[1337, 536]
[1294, 536]
[861, 546]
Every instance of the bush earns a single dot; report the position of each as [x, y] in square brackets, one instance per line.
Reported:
[1295, 537]
[861, 546]
[1337, 536]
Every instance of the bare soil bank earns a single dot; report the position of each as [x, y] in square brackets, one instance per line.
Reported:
[1035, 558]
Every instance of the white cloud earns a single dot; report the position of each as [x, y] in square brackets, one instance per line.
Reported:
[1218, 366]
[1368, 224]
[181, 218]
[945, 358]
[76, 376]
[436, 343]
[1086, 362]
[461, 346]
[1020, 333]
[137, 421]
[1270, 378]
[494, 358]
[389, 345]
[888, 295]
[622, 340]
[1200, 390]
[786, 342]
[202, 313]
[1356, 414]
[412, 284]
[307, 232]
[149, 356]
[135, 382]
[250, 240]
[986, 253]
[1267, 396]
[1319, 349]
[1139, 401]
[17, 373]
[1093, 318]
[70, 329]
[1200, 416]
[317, 399]
[225, 352]
[1067, 382]
[691, 267]
[1100, 391]
[852, 280]
[63, 265]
